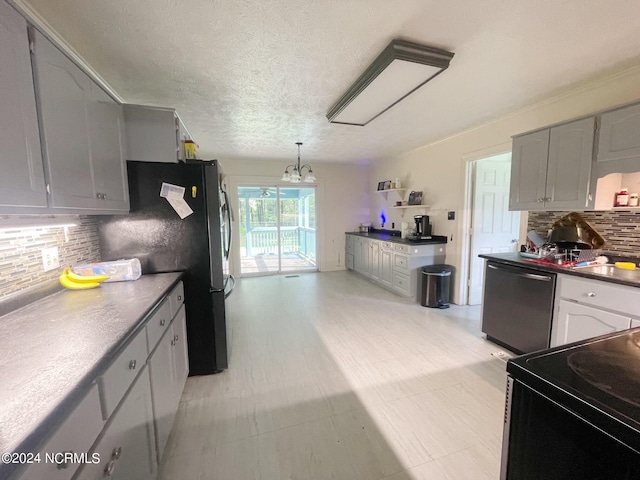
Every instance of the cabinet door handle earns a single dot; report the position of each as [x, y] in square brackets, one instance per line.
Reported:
[179, 298]
[132, 365]
[591, 294]
[540, 200]
[117, 452]
[162, 322]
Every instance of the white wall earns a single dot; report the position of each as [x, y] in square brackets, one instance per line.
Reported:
[342, 201]
[439, 169]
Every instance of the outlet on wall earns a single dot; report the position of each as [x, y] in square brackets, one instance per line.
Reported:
[50, 259]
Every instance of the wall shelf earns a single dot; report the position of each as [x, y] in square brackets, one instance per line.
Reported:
[399, 192]
[402, 208]
[392, 190]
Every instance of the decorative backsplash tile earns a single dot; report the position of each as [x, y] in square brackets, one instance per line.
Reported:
[620, 228]
[21, 258]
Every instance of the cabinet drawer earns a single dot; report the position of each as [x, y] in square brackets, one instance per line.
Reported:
[401, 262]
[76, 434]
[158, 323]
[402, 283]
[176, 299]
[398, 247]
[618, 298]
[350, 242]
[386, 245]
[121, 374]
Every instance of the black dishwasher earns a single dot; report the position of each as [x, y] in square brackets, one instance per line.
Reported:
[517, 307]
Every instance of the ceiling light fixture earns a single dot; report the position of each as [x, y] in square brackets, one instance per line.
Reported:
[296, 174]
[399, 70]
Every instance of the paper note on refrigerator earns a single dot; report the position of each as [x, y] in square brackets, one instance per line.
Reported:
[174, 191]
[174, 194]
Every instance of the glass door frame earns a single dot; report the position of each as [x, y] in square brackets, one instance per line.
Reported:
[275, 186]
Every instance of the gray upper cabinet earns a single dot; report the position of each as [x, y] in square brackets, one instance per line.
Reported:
[528, 170]
[82, 134]
[551, 168]
[62, 92]
[619, 141]
[22, 181]
[569, 167]
[107, 134]
[154, 134]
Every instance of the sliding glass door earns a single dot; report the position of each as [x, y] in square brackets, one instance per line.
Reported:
[277, 229]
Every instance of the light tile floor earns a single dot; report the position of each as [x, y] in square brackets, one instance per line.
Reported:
[332, 377]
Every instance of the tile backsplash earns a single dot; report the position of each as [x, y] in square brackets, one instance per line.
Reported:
[21, 257]
[620, 228]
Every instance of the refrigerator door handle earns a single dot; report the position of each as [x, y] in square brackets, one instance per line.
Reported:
[231, 279]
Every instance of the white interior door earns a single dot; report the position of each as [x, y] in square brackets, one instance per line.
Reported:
[494, 228]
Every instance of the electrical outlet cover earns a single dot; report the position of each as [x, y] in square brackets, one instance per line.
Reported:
[451, 215]
[50, 259]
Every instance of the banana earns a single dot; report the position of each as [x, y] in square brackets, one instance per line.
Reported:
[74, 277]
[68, 283]
[70, 280]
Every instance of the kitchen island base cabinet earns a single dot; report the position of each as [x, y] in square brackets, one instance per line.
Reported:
[127, 445]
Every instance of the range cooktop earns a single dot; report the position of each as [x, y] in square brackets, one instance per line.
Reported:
[599, 378]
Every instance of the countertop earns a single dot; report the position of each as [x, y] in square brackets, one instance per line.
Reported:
[516, 260]
[435, 239]
[54, 348]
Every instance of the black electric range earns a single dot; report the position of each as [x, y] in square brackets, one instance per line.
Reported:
[597, 378]
[573, 411]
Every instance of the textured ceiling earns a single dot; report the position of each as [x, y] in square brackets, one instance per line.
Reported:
[251, 77]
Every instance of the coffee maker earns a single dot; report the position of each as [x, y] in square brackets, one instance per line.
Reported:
[423, 227]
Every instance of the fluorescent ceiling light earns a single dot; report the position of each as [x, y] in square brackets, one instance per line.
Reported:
[399, 70]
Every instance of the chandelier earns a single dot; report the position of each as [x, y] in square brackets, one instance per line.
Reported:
[296, 174]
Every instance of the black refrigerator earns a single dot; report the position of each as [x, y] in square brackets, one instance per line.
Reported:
[197, 244]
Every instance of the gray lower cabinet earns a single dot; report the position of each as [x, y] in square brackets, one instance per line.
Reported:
[374, 259]
[635, 323]
[22, 181]
[127, 444]
[82, 133]
[587, 308]
[386, 264]
[575, 322]
[395, 266]
[169, 369]
[550, 169]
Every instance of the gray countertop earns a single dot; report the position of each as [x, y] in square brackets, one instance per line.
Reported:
[436, 239]
[515, 259]
[53, 349]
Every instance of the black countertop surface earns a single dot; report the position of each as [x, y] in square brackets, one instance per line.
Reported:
[387, 237]
[599, 379]
[514, 259]
[55, 348]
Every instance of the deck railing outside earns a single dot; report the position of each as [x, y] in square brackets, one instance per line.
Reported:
[294, 240]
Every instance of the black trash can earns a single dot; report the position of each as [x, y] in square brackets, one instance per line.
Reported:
[436, 280]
